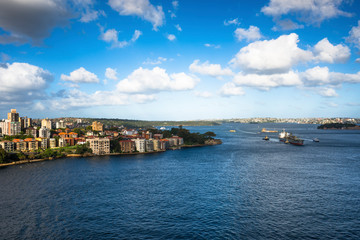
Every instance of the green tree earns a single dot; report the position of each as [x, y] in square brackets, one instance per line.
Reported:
[3, 155]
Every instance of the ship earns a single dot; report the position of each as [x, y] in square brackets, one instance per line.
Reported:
[283, 135]
[295, 140]
[232, 131]
[289, 138]
[266, 138]
[264, 130]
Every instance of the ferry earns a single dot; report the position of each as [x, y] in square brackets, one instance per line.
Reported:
[232, 130]
[264, 130]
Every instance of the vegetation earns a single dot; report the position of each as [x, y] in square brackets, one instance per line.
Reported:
[336, 126]
[83, 149]
[189, 138]
[20, 136]
[3, 155]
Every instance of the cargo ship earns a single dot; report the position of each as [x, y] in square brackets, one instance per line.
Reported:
[289, 138]
[264, 130]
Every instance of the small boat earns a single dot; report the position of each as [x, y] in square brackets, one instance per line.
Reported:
[316, 140]
[232, 131]
[162, 128]
[266, 138]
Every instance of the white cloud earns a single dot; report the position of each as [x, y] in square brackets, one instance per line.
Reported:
[214, 70]
[145, 80]
[80, 75]
[313, 11]
[326, 52]
[271, 56]
[157, 61]
[171, 37]
[230, 89]
[111, 36]
[204, 94]
[140, 8]
[230, 22]
[357, 60]
[316, 76]
[111, 73]
[354, 35]
[328, 92]
[265, 82]
[22, 82]
[5, 57]
[251, 34]
[209, 45]
[178, 27]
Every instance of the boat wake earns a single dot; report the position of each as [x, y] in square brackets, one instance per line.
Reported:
[254, 133]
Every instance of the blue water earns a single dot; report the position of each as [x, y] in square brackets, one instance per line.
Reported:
[245, 188]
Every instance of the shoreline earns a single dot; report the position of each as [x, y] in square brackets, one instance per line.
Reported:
[73, 155]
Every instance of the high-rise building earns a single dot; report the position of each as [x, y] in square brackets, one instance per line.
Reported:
[46, 123]
[13, 116]
[44, 132]
[60, 124]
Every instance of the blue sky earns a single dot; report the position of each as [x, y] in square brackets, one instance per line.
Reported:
[180, 60]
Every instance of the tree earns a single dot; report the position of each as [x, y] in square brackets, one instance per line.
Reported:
[3, 155]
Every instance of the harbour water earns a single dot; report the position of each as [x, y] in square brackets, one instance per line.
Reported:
[246, 188]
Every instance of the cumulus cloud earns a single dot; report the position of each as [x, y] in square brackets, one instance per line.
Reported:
[271, 56]
[111, 73]
[140, 8]
[310, 11]
[357, 60]
[22, 82]
[144, 80]
[171, 37]
[31, 21]
[80, 75]
[354, 35]
[234, 21]
[230, 89]
[111, 36]
[251, 34]
[316, 76]
[214, 70]
[326, 52]
[265, 82]
[175, 4]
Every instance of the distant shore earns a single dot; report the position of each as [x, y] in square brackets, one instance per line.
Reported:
[212, 143]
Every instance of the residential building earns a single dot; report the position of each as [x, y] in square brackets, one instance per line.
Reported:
[149, 145]
[60, 124]
[46, 123]
[158, 136]
[97, 126]
[139, 144]
[99, 146]
[21, 145]
[44, 132]
[44, 144]
[32, 144]
[127, 146]
[13, 116]
[32, 131]
[7, 146]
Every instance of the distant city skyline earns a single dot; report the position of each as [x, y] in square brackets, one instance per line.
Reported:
[180, 60]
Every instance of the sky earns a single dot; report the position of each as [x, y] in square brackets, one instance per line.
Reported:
[180, 59]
